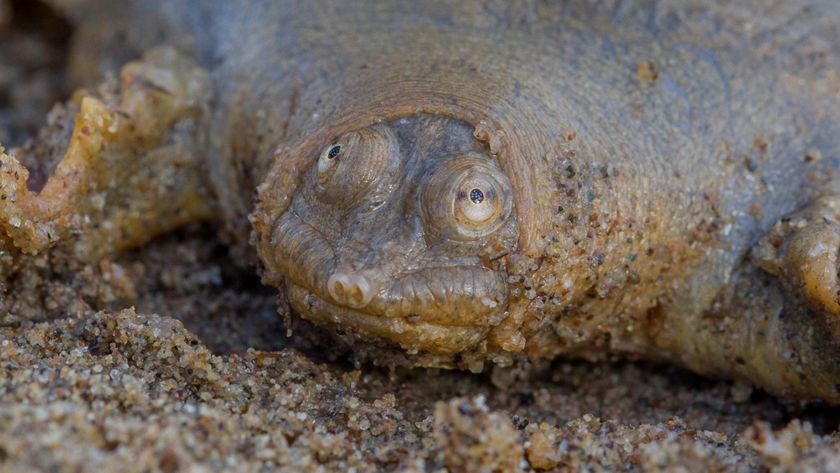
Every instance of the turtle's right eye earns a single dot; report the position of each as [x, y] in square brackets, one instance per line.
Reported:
[328, 161]
[333, 151]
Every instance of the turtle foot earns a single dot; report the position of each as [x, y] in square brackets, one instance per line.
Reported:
[804, 250]
[129, 171]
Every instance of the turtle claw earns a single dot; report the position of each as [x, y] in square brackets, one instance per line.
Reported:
[804, 250]
[32, 222]
[125, 150]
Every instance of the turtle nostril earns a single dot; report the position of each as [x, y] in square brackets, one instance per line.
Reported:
[350, 289]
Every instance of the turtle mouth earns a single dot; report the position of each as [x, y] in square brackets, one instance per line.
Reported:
[410, 334]
[438, 308]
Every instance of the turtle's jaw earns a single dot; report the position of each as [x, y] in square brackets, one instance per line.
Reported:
[413, 335]
[437, 310]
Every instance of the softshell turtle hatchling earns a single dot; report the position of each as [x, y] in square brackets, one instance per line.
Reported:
[474, 180]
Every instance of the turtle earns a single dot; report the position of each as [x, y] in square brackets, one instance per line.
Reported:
[471, 182]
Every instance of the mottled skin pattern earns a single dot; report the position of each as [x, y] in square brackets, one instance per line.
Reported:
[471, 181]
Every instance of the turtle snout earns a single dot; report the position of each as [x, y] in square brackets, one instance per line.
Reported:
[350, 289]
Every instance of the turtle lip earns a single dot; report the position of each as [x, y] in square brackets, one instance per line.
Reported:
[407, 332]
[451, 296]
[463, 295]
[423, 310]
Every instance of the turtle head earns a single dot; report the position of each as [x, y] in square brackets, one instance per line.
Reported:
[398, 231]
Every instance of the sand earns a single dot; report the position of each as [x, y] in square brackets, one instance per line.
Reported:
[173, 357]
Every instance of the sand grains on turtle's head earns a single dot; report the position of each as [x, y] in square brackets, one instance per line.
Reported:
[395, 232]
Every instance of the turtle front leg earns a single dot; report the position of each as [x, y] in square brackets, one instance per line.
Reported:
[783, 308]
[804, 250]
[131, 169]
[775, 322]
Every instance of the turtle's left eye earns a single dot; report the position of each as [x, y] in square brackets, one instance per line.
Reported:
[467, 199]
[477, 201]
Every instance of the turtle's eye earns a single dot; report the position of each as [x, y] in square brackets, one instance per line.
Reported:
[327, 161]
[477, 201]
[348, 167]
[333, 151]
[468, 198]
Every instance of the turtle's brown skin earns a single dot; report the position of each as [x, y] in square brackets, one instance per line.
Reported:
[471, 181]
